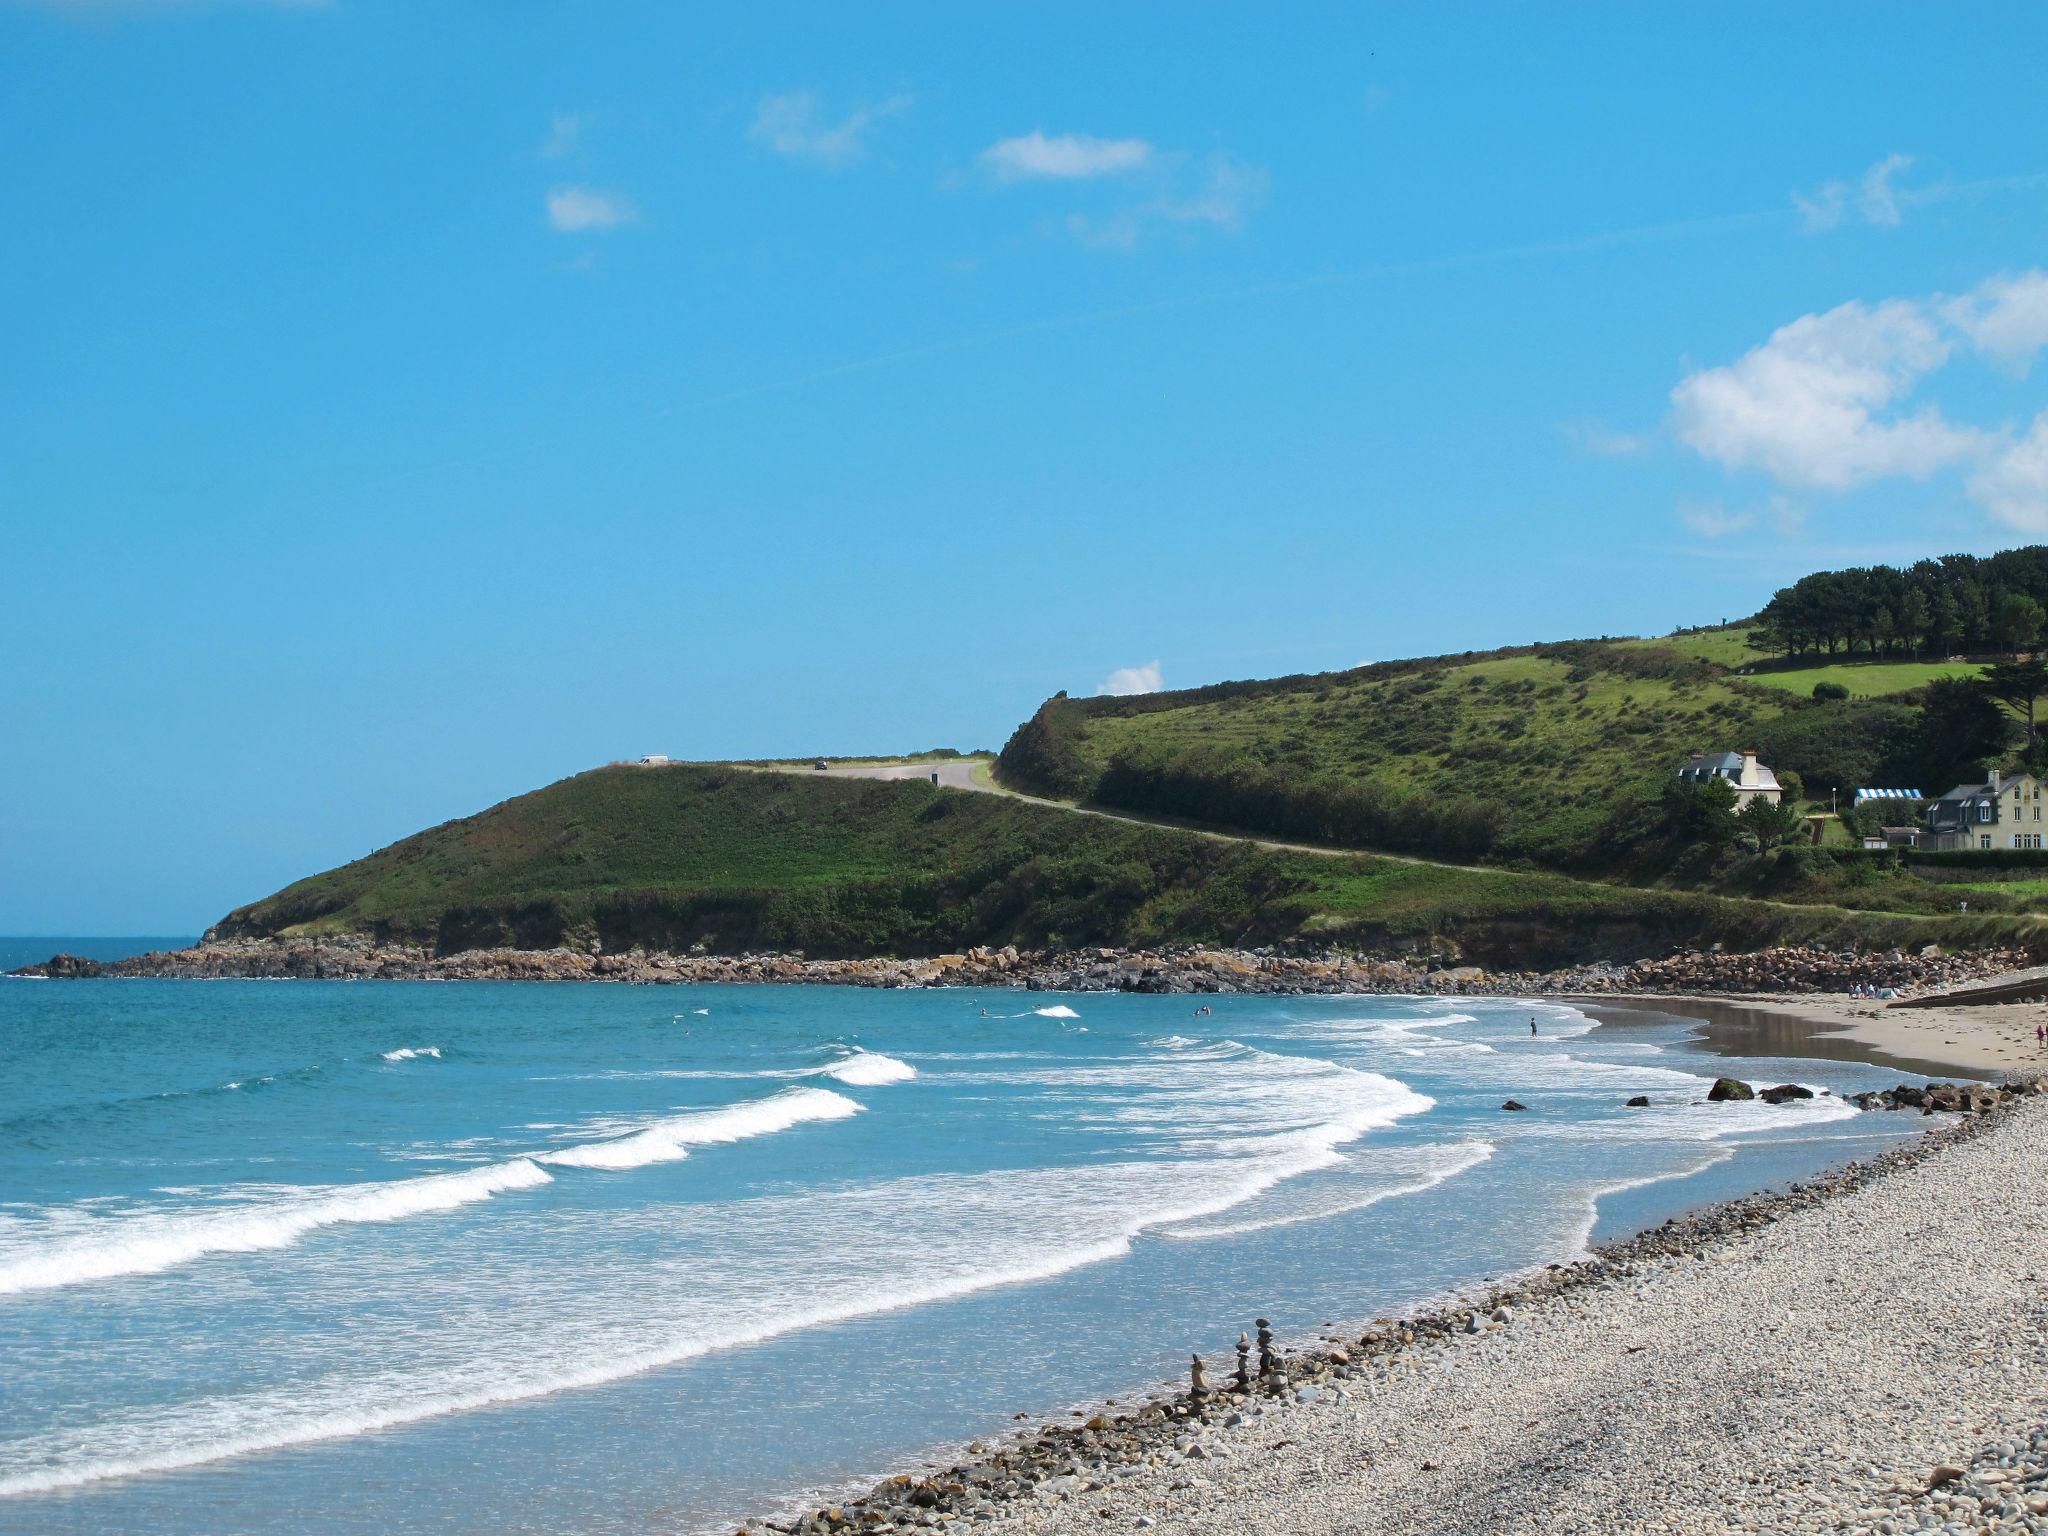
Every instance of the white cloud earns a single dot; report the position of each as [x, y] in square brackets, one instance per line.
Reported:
[1228, 191]
[2006, 316]
[2013, 484]
[1125, 681]
[575, 210]
[790, 125]
[1872, 198]
[563, 130]
[1036, 156]
[1597, 437]
[1807, 407]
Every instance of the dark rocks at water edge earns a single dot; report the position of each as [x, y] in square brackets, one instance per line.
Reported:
[1186, 969]
[1726, 1088]
[1181, 1427]
[1945, 1098]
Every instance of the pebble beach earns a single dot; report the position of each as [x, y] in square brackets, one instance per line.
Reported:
[1867, 1353]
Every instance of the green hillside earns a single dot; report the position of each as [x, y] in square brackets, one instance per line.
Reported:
[734, 859]
[1551, 754]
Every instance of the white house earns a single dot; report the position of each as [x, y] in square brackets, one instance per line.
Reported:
[1750, 779]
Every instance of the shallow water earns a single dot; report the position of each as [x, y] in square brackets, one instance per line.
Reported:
[518, 1258]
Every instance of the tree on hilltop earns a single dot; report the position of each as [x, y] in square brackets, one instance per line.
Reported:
[2018, 685]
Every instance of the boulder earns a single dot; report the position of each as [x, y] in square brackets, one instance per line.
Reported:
[1728, 1088]
[1785, 1093]
[1640, 1101]
[1514, 1104]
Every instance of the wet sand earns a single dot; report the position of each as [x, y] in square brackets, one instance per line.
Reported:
[1972, 1040]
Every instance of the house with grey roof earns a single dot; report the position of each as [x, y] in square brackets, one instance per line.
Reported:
[1999, 813]
[1750, 779]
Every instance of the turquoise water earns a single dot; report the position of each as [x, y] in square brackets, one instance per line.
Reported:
[490, 1257]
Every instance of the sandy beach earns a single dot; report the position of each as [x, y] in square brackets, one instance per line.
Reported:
[1983, 1040]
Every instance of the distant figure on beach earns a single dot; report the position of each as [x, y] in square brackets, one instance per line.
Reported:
[2041, 1035]
[1532, 1024]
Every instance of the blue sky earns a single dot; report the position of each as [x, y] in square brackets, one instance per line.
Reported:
[408, 404]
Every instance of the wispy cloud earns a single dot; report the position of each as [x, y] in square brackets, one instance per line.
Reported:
[1872, 198]
[564, 129]
[580, 210]
[1603, 441]
[792, 126]
[1225, 195]
[1126, 681]
[1712, 520]
[1038, 156]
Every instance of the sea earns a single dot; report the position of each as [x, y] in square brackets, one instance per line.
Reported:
[498, 1257]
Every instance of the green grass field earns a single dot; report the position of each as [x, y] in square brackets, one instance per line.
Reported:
[1867, 679]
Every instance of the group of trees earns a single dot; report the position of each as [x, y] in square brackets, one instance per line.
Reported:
[1956, 604]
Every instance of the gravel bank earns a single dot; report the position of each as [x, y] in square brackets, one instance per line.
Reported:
[1802, 1373]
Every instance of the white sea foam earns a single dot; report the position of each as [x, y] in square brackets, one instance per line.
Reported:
[669, 1140]
[869, 1069]
[1056, 1011]
[956, 1233]
[71, 1248]
[149, 1242]
[413, 1053]
[1381, 1176]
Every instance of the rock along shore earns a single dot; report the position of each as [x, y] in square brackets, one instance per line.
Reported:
[1805, 1360]
[1188, 969]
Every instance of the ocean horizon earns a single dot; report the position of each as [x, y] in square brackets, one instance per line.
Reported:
[493, 1256]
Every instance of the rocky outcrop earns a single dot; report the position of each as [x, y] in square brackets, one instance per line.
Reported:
[1727, 1088]
[1785, 1093]
[1948, 1098]
[1186, 969]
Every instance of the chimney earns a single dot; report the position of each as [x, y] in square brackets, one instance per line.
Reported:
[1748, 765]
[1992, 783]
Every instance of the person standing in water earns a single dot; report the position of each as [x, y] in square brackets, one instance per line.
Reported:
[1532, 1024]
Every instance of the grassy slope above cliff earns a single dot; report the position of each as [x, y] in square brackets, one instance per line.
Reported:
[676, 856]
[1555, 756]
[1539, 754]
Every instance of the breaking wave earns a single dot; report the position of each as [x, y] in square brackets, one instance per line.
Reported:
[147, 1243]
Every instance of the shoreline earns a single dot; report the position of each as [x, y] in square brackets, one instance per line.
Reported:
[1164, 1458]
[1782, 1002]
[1985, 1040]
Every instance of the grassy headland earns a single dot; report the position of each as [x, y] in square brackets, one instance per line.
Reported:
[675, 857]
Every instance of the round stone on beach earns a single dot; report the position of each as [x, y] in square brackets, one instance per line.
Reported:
[1727, 1088]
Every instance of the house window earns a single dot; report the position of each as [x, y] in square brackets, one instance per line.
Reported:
[1984, 841]
[1984, 812]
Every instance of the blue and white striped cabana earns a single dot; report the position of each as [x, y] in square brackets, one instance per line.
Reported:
[1888, 794]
